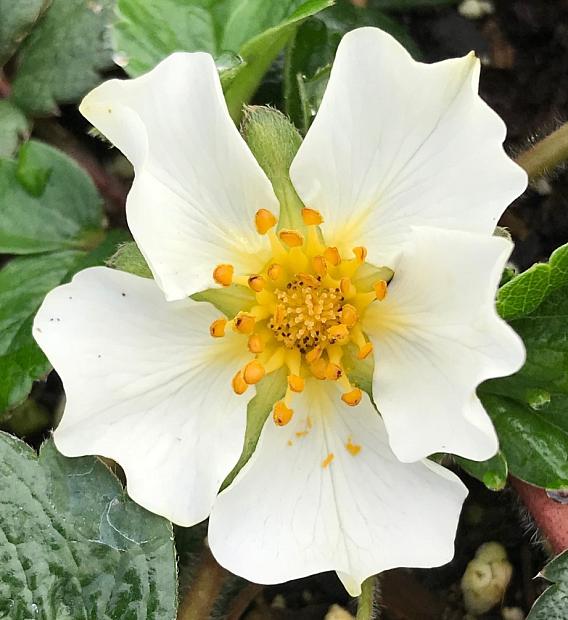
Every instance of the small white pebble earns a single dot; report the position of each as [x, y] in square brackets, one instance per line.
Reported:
[278, 602]
[543, 187]
[512, 613]
[336, 612]
[476, 9]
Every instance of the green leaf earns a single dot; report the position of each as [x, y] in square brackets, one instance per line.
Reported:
[14, 127]
[256, 30]
[530, 408]
[74, 546]
[274, 142]
[493, 472]
[24, 282]
[48, 203]
[18, 18]
[62, 58]
[271, 389]
[553, 602]
[310, 54]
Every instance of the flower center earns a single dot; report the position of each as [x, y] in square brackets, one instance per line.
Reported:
[308, 309]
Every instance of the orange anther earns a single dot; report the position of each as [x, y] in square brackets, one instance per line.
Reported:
[333, 372]
[311, 217]
[296, 383]
[255, 344]
[313, 355]
[319, 264]
[223, 274]
[217, 328]
[365, 351]
[282, 414]
[319, 368]
[279, 314]
[240, 386]
[327, 461]
[353, 397]
[264, 220]
[275, 271]
[345, 286]
[244, 323]
[332, 256]
[360, 253]
[256, 283]
[253, 372]
[338, 332]
[349, 315]
[292, 238]
[352, 448]
[380, 289]
[307, 279]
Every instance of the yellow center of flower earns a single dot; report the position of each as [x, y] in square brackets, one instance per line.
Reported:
[309, 305]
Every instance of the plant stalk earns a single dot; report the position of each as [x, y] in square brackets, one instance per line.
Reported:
[367, 608]
[546, 155]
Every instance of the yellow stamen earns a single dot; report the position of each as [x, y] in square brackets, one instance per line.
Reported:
[311, 217]
[217, 328]
[360, 253]
[349, 315]
[275, 271]
[282, 414]
[333, 372]
[313, 355]
[338, 332]
[347, 288]
[256, 283]
[365, 351]
[253, 372]
[255, 344]
[240, 386]
[327, 461]
[264, 221]
[292, 238]
[296, 383]
[223, 274]
[319, 368]
[244, 323]
[332, 256]
[352, 448]
[353, 397]
[381, 288]
[319, 265]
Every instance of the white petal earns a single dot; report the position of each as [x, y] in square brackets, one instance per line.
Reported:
[147, 386]
[197, 185]
[398, 143]
[286, 516]
[437, 336]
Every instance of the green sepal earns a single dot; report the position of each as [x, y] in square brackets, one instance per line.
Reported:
[129, 258]
[230, 300]
[360, 372]
[274, 142]
[493, 472]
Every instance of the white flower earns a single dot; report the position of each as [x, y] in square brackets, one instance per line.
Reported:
[403, 168]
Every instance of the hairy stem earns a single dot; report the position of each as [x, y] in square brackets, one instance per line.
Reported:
[206, 585]
[367, 608]
[546, 155]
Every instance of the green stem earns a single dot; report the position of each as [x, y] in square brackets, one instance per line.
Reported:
[206, 585]
[546, 155]
[366, 607]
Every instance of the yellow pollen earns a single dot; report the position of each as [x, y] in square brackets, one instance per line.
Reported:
[223, 274]
[292, 238]
[244, 323]
[282, 414]
[256, 283]
[360, 253]
[275, 271]
[320, 266]
[264, 220]
[353, 397]
[381, 288]
[365, 351]
[327, 461]
[305, 312]
[253, 372]
[255, 344]
[311, 217]
[332, 256]
[296, 383]
[352, 448]
[239, 384]
[217, 328]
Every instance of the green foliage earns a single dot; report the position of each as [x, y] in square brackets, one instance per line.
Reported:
[13, 127]
[256, 30]
[530, 408]
[493, 472]
[408, 5]
[553, 603]
[62, 57]
[311, 53]
[74, 546]
[17, 20]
